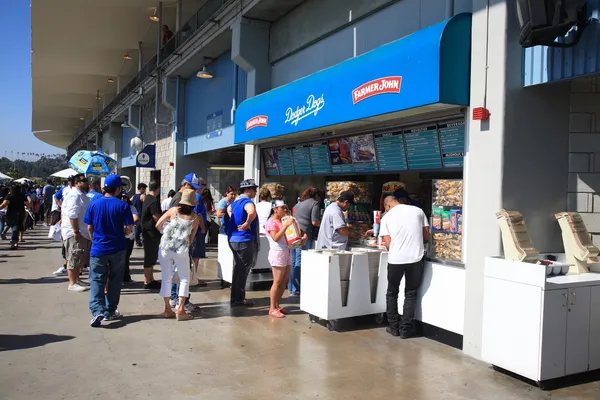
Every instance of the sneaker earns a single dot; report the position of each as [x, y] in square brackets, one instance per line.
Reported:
[96, 321]
[154, 285]
[61, 271]
[78, 288]
[114, 316]
[189, 307]
[173, 303]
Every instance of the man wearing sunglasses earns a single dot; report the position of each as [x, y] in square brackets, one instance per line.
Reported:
[76, 238]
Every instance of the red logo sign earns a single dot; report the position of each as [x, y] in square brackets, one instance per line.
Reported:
[389, 84]
[259, 120]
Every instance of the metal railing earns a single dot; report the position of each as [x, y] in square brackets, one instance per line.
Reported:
[202, 17]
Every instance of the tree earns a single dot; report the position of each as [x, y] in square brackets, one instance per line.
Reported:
[15, 173]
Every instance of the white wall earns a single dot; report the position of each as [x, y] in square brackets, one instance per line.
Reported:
[517, 160]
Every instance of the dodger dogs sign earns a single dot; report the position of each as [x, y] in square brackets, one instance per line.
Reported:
[313, 106]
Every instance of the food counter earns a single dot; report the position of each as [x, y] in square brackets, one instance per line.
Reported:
[338, 286]
[261, 271]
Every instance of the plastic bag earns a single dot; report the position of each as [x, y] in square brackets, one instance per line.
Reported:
[55, 233]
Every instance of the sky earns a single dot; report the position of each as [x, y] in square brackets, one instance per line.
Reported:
[15, 84]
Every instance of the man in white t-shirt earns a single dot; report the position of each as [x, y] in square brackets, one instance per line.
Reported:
[404, 229]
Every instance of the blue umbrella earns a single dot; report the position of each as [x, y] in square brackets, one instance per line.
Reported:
[94, 162]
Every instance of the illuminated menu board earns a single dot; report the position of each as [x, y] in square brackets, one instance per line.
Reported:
[319, 158]
[286, 162]
[423, 148]
[390, 151]
[301, 159]
[452, 140]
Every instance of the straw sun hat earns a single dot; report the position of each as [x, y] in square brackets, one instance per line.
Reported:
[188, 198]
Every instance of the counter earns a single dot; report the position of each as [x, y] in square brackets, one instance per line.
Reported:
[537, 326]
[261, 271]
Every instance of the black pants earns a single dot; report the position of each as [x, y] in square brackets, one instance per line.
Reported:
[244, 256]
[129, 250]
[414, 275]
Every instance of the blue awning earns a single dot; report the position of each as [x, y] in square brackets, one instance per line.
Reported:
[427, 68]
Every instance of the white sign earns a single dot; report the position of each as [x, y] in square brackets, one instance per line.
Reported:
[312, 107]
[143, 159]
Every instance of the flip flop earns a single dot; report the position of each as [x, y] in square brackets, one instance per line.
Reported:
[169, 315]
[276, 314]
[184, 317]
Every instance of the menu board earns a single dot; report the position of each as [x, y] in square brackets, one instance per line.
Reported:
[286, 162]
[319, 158]
[353, 154]
[271, 160]
[452, 140]
[390, 151]
[301, 159]
[423, 148]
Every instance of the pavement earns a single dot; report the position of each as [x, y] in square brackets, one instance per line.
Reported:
[49, 351]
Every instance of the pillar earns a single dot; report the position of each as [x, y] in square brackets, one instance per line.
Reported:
[517, 160]
[250, 51]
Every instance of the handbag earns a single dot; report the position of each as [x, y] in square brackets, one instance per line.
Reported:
[55, 233]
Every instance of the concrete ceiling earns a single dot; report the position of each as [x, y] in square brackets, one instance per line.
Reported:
[76, 46]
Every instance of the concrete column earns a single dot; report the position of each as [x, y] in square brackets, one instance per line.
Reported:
[178, 15]
[517, 160]
[140, 56]
[250, 50]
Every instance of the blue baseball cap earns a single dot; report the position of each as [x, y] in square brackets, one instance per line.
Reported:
[192, 180]
[113, 182]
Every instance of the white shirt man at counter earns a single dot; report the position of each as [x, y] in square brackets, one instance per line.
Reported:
[404, 229]
[334, 232]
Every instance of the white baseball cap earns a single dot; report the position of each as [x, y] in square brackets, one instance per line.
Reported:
[279, 203]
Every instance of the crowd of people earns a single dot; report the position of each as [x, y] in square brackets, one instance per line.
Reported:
[99, 226]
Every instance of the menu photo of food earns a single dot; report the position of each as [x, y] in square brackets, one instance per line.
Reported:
[362, 149]
[339, 151]
[271, 161]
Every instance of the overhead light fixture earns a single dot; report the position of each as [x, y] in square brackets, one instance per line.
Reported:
[81, 118]
[110, 80]
[98, 97]
[154, 17]
[127, 56]
[225, 168]
[204, 73]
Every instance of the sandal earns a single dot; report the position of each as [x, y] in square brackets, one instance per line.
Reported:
[169, 315]
[184, 317]
[276, 314]
[283, 311]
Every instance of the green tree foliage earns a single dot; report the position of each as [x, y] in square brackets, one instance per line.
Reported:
[42, 168]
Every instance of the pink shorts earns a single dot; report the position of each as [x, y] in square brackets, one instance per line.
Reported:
[280, 258]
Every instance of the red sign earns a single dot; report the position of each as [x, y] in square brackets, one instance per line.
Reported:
[389, 84]
[260, 120]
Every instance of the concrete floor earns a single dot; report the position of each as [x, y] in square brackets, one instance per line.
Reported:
[49, 351]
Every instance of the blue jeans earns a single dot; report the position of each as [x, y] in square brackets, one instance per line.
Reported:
[294, 283]
[200, 245]
[99, 272]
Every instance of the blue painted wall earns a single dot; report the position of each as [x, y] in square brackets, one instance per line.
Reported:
[204, 97]
[127, 153]
[547, 64]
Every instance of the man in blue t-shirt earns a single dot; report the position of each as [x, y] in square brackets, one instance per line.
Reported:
[242, 231]
[109, 219]
[95, 191]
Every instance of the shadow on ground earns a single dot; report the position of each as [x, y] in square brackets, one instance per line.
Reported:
[20, 342]
[36, 281]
